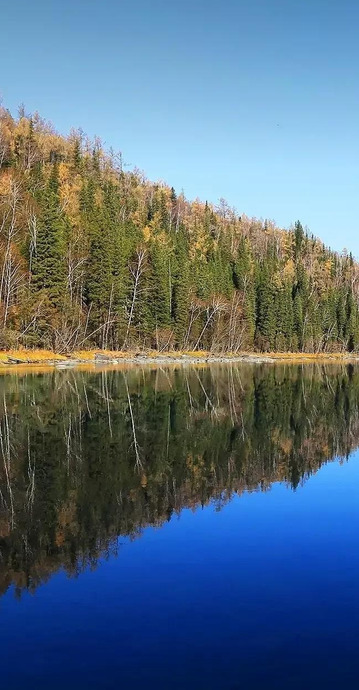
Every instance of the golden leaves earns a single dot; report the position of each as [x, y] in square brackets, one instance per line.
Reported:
[70, 187]
[5, 183]
[289, 270]
[146, 231]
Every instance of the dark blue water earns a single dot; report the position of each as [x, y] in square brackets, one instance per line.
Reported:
[259, 590]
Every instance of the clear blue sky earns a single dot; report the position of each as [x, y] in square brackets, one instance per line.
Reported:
[256, 101]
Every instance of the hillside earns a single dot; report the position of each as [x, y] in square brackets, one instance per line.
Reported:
[92, 255]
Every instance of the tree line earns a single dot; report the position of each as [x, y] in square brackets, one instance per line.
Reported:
[93, 255]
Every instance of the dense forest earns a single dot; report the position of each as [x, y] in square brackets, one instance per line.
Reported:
[95, 255]
[88, 457]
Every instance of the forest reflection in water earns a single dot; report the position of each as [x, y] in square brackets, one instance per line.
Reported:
[86, 457]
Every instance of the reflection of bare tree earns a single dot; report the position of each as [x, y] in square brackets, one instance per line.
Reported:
[5, 447]
[31, 466]
[139, 464]
[105, 395]
[232, 397]
[208, 400]
[86, 396]
[68, 443]
[189, 392]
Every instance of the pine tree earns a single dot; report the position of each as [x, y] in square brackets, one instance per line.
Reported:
[284, 318]
[180, 287]
[298, 321]
[298, 238]
[76, 156]
[48, 268]
[159, 289]
[265, 307]
[99, 278]
[244, 281]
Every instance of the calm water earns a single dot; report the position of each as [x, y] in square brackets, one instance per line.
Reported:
[178, 529]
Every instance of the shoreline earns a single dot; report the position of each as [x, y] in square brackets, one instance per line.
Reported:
[97, 359]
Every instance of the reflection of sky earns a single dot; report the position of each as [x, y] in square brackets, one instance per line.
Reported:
[261, 594]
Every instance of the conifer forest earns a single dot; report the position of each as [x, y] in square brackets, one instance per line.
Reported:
[95, 255]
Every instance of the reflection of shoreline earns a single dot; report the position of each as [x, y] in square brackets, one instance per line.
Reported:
[86, 458]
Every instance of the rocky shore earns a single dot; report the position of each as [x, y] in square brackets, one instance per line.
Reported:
[161, 360]
[101, 359]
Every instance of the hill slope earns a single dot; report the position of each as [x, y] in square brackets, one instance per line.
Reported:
[91, 255]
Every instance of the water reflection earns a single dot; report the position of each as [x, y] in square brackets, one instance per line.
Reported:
[87, 457]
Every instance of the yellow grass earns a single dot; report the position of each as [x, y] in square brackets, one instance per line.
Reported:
[30, 356]
[311, 356]
[45, 357]
[85, 355]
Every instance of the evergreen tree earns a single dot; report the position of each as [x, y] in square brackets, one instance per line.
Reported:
[76, 155]
[159, 290]
[265, 308]
[48, 268]
[180, 287]
[298, 238]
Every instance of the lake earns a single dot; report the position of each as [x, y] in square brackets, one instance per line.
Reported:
[179, 528]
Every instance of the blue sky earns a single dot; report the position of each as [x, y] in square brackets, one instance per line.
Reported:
[256, 101]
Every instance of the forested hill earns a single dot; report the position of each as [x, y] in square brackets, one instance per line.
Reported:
[94, 255]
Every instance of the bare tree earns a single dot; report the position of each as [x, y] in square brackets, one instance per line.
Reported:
[137, 268]
[11, 274]
[217, 305]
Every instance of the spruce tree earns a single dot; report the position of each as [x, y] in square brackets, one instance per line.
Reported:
[266, 308]
[180, 287]
[48, 267]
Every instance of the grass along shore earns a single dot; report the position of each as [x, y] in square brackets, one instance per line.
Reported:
[102, 357]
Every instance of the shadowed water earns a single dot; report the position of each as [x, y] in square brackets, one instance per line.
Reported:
[179, 528]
